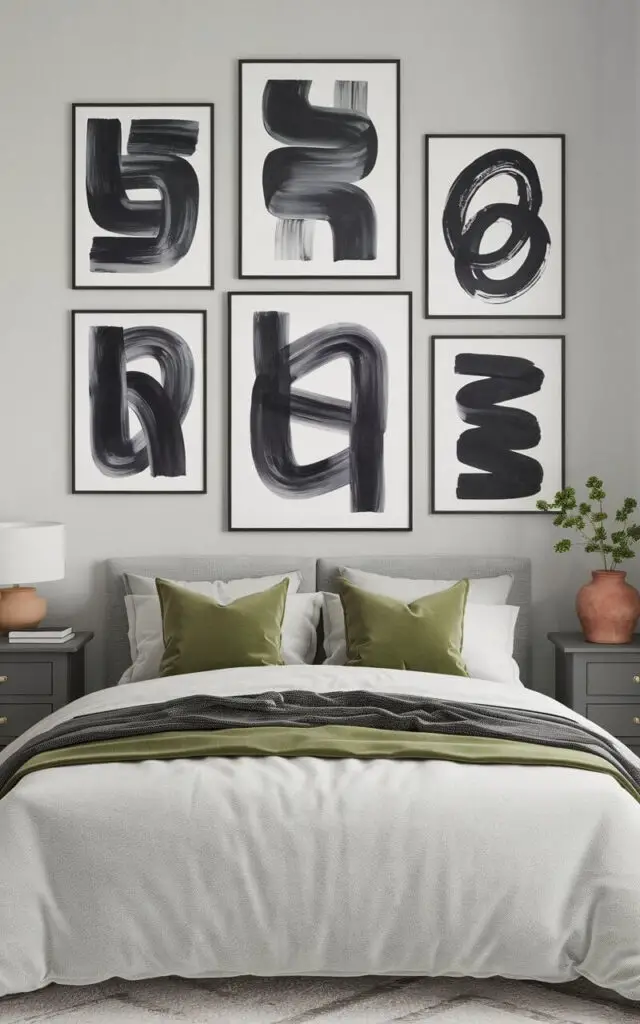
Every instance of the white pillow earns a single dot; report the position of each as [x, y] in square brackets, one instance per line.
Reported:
[299, 631]
[487, 646]
[228, 590]
[484, 590]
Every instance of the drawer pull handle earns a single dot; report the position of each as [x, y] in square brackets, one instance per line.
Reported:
[3, 720]
[636, 720]
[5, 679]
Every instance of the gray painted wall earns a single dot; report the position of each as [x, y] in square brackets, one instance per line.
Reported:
[499, 65]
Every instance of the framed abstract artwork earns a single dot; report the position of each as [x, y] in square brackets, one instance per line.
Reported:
[319, 168]
[495, 226]
[320, 411]
[142, 195]
[497, 422]
[138, 402]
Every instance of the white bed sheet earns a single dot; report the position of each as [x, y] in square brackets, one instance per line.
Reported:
[224, 866]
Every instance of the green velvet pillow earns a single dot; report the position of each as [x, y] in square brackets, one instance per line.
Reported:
[424, 636]
[201, 634]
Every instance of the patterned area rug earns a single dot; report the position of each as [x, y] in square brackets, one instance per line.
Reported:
[319, 1001]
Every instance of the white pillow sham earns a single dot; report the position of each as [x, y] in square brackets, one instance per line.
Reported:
[228, 590]
[299, 630]
[483, 590]
[487, 647]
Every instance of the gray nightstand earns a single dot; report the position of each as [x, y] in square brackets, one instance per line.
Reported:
[601, 682]
[36, 679]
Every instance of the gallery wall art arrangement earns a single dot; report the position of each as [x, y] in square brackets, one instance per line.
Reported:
[320, 383]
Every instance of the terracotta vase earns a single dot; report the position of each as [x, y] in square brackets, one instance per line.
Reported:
[608, 607]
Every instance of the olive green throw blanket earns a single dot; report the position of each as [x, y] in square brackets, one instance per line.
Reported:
[304, 724]
[322, 741]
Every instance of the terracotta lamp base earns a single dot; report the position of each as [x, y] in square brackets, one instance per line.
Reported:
[20, 608]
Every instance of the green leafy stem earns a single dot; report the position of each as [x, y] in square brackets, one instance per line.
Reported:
[588, 519]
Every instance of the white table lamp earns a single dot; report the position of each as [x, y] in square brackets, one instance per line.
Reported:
[29, 553]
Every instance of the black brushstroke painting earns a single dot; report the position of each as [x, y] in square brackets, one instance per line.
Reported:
[499, 433]
[160, 406]
[279, 364]
[150, 235]
[311, 177]
[464, 234]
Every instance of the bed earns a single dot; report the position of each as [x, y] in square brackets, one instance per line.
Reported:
[312, 865]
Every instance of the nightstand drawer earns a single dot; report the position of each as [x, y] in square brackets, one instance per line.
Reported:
[15, 718]
[32, 678]
[618, 678]
[619, 719]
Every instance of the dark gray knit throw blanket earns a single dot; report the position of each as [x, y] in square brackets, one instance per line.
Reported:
[304, 708]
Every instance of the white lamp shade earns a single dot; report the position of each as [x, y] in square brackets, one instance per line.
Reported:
[31, 552]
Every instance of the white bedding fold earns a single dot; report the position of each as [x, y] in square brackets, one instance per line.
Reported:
[222, 866]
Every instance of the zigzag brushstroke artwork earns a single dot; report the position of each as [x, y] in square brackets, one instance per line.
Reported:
[142, 196]
[139, 402]
[495, 226]
[498, 434]
[319, 168]
[320, 411]
[497, 431]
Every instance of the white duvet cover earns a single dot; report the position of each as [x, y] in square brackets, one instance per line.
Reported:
[223, 866]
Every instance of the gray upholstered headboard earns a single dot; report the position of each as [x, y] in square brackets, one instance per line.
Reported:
[320, 575]
[450, 567]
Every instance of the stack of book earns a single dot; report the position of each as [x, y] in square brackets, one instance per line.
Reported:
[41, 635]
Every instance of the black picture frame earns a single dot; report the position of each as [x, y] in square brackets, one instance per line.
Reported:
[209, 110]
[506, 314]
[322, 61]
[433, 453]
[231, 296]
[75, 313]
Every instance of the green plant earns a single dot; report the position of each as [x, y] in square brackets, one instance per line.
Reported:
[590, 523]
